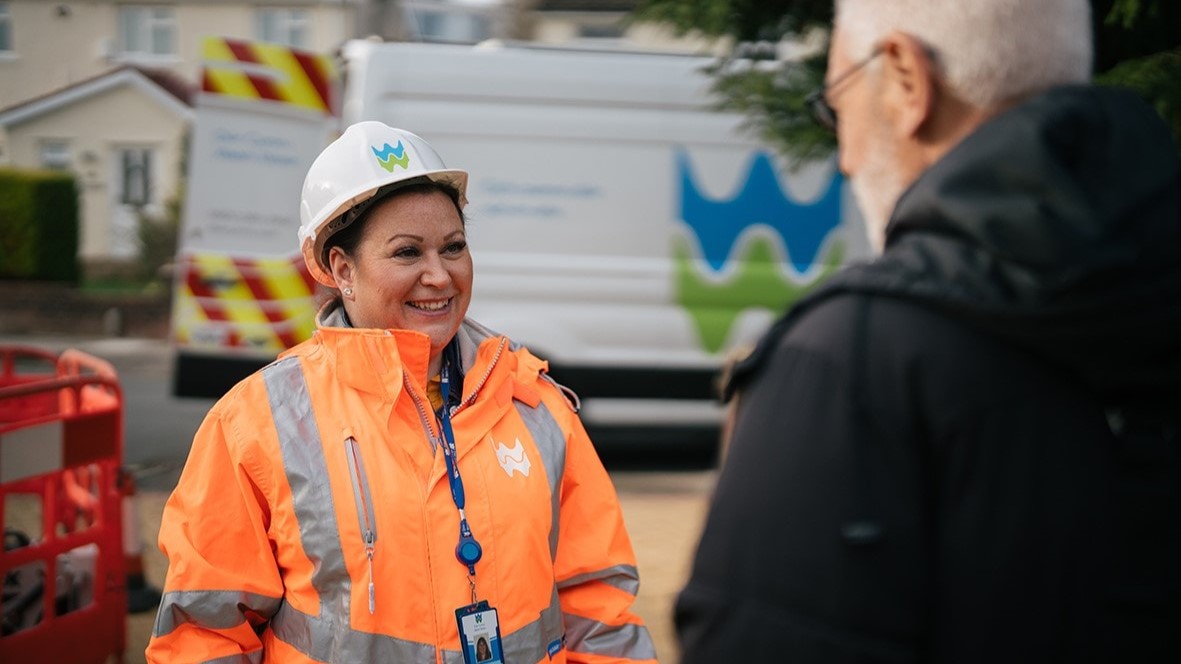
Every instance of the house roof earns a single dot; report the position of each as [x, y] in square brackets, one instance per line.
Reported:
[167, 88]
[175, 84]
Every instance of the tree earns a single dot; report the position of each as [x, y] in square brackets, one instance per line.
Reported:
[1137, 45]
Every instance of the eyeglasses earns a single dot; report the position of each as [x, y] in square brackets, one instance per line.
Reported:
[823, 112]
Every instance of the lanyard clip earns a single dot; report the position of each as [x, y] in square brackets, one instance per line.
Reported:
[468, 551]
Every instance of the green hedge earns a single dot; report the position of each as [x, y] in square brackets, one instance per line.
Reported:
[38, 225]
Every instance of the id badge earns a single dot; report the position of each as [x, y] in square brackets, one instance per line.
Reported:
[479, 634]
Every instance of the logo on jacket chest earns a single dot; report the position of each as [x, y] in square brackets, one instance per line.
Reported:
[512, 459]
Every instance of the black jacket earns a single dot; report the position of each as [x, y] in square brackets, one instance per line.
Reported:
[968, 449]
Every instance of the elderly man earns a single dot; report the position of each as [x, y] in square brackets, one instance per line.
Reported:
[966, 450]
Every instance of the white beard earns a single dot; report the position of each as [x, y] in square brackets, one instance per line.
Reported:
[877, 185]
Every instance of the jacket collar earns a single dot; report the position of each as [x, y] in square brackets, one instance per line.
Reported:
[370, 360]
[375, 361]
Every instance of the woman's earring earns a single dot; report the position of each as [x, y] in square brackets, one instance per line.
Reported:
[348, 292]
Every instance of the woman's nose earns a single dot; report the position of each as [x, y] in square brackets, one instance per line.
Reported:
[435, 272]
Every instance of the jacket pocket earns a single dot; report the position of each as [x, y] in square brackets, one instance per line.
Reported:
[364, 502]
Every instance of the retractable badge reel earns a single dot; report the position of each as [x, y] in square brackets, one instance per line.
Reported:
[468, 551]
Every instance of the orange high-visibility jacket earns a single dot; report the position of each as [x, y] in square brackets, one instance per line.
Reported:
[314, 522]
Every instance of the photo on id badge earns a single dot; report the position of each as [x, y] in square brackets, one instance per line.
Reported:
[479, 634]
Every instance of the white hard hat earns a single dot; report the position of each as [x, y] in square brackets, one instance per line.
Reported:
[367, 156]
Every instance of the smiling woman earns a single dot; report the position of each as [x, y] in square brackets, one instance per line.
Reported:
[345, 466]
[407, 266]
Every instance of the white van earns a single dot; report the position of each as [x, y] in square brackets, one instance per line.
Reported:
[621, 228]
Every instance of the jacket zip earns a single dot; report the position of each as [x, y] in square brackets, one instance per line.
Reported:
[471, 398]
[364, 504]
[427, 417]
[423, 413]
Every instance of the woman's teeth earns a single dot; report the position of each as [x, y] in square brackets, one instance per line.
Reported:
[430, 306]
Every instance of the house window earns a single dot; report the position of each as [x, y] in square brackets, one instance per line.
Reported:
[447, 24]
[55, 155]
[289, 27]
[5, 28]
[136, 172]
[602, 31]
[147, 30]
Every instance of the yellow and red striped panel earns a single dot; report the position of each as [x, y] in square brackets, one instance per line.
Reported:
[263, 304]
[258, 70]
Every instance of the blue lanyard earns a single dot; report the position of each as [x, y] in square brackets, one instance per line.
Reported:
[468, 551]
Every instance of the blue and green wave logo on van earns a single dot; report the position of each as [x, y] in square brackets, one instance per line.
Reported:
[759, 248]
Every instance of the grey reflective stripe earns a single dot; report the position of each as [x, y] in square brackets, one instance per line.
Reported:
[251, 658]
[623, 577]
[210, 609]
[552, 626]
[551, 442]
[527, 644]
[593, 637]
[326, 637]
[307, 474]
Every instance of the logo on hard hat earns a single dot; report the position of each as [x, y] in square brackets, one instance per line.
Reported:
[389, 157]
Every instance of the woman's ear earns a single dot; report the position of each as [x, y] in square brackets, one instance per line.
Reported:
[909, 76]
[342, 268]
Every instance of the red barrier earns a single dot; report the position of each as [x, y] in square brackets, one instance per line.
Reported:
[61, 447]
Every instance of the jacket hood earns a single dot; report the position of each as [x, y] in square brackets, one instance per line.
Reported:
[1055, 226]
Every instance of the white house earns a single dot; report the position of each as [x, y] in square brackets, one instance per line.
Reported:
[121, 133]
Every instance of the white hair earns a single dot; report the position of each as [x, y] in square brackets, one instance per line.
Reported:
[988, 52]
[879, 182]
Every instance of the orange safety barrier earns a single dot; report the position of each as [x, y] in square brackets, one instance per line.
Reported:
[61, 447]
